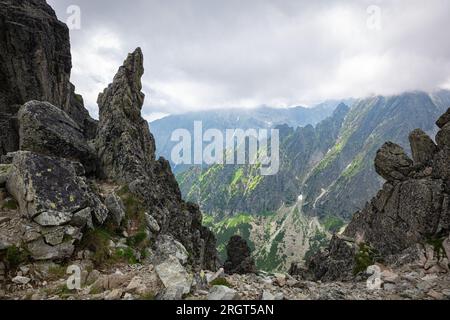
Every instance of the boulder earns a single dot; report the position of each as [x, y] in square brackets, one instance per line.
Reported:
[116, 208]
[444, 119]
[443, 137]
[239, 257]
[40, 250]
[166, 246]
[174, 293]
[152, 224]
[222, 293]
[173, 274]
[48, 130]
[49, 190]
[422, 147]
[392, 163]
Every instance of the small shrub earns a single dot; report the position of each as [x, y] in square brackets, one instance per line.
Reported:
[437, 244]
[97, 241]
[125, 255]
[364, 258]
[221, 282]
[57, 272]
[10, 204]
[15, 257]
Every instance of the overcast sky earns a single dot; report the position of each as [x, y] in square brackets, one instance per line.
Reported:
[203, 54]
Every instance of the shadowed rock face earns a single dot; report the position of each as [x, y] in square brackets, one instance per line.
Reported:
[412, 208]
[126, 153]
[35, 64]
[126, 149]
[48, 130]
[239, 257]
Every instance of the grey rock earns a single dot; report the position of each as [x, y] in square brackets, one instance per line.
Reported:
[115, 207]
[267, 296]
[53, 218]
[174, 293]
[125, 147]
[422, 147]
[239, 257]
[35, 64]
[222, 293]
[48, 130]
[443, 137]
[444, 119]
[21, 280]
[392, 163]
[166, 246]
[152, 224]
[49, 189]
[83, 218]
[41, 251]
[172, 273]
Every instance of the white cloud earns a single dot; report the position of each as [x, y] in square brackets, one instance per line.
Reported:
[203, 54]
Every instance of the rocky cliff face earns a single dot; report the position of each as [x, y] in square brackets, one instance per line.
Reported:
[411, 210]
[35, 64]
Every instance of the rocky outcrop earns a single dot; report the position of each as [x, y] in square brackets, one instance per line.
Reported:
[55, 202]
[48, 130]
[392, 163]
[239, 257]
[126, 153]
[422, 147]
[35, 64]
[126, 148]
[412, 208]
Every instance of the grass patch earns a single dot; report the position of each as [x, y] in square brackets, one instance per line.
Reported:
[221, 282]
[97, 241]
[10, 204]
[15, 256]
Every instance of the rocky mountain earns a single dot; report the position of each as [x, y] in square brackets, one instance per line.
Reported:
[237, 118]
[408, 221]
[35, 64]
[77, 191]
[327, 168]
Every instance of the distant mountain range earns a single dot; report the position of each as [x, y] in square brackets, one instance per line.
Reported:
[326, 175]
[237, 118]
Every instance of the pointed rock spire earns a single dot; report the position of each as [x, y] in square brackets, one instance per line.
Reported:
[125, 146]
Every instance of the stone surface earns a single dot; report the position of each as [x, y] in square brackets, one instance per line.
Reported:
[172, 274]
[422, 147]
[167, 246]
[392, 163]
[48, 130]
[35, 64]
[50, 187]
[115, 207]
[222, 293]
[444, 119]
[239, 257]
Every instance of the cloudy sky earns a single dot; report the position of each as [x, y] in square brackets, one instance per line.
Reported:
[203, 54]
